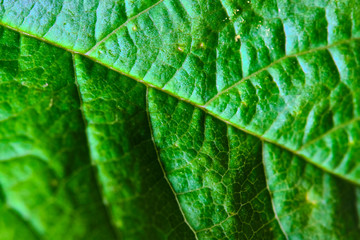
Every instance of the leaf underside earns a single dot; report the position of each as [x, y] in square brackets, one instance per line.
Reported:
[179, 119]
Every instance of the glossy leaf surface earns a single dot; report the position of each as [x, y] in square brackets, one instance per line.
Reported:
[179, 119]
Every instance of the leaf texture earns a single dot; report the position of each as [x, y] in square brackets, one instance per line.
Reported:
[48, 185]
[140, 200]
[198, 119]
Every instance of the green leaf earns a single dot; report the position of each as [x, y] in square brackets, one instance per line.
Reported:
[179, 119]
[140, 200]
[48, 185]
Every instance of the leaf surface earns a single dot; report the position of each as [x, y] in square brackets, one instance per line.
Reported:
[48, 187]
[242, 121]
[138, 196]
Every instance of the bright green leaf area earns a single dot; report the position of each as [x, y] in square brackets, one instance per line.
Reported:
[179, 119]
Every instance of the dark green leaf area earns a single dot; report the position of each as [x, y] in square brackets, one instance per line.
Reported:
[310, 203]
[47, 183]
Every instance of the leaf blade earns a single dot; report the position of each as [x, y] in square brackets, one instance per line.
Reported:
[138, 197]
[40, 167]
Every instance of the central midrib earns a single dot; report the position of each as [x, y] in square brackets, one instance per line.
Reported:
[202, 107]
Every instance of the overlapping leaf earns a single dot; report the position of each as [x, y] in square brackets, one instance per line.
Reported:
[243, 124]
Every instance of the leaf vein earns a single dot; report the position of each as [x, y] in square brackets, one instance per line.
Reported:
[161, 165]
[276, 62]
[202, 107]
[121, 26]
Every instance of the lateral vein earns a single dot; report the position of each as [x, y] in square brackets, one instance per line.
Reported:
[99, 189]
[121, 26]
[161, 165]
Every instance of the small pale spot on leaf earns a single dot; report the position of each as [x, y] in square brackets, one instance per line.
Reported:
[51, 103]
[310, 198]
